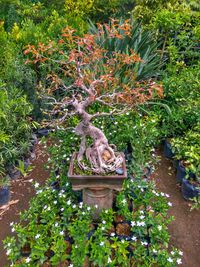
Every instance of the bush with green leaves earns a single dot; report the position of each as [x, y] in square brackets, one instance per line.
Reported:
[15, 126]
[187, 149]
[140, 41]
[182, 95]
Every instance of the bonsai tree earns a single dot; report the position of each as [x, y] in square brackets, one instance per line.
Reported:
[85, 74]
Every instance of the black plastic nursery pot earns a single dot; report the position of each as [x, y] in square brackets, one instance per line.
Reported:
[181, 172]
[168, 150]
[4, 195]
[189, 190]
[43, 132]
[175, 163]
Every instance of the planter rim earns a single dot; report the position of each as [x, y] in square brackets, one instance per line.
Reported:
[92, 177]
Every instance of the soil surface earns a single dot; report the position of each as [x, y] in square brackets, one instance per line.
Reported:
[184, 230]
[22, 190]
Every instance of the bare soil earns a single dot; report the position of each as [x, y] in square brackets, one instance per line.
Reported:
[184, 230]
[22, 190]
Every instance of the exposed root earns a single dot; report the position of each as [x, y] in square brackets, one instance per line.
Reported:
[100, 154]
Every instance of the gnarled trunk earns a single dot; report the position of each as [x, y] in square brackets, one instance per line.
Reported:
[100, 154]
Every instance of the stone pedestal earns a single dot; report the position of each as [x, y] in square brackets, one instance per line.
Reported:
[97, 189]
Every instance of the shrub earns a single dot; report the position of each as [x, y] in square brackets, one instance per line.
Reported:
[15, 126]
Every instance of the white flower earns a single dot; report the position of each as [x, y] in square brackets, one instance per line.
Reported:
[55, 202]
[132, 223]
[103, 228]
[170, 259]
[162, 194]
[37, 236]
[11, 224]
[67, 159]
[8, 252]
[172, 252]
[134, 238]
[124, 201]
[179, 261]
[96, 206]
[83, 212]
[166, 195]
[140, 223]
[28, 260]
[74, 206]
[64, 156]
[48, 208]
[122, 241]
[76, 246]
[12, 230]
[141, 212]
[112, 234]
[144, 243]
[109, 260]
[106, 211]
[115, 122]
[71, 265]
[9, 244]
[101, 244]
[39, 191]
[155, 251]
[56, 224]
[127, 113]
[36, 185]
[142, 217]
[180, 253]
[69, 202]
[169, 204]
[88, 208]
[61, 232]
[104, 222]
[159, 227]
[62, 209]
[45, 207]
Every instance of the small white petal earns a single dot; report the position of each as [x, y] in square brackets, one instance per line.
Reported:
[179, 261]
[170, 259]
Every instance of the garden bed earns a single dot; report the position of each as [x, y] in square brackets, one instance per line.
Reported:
[182, 234]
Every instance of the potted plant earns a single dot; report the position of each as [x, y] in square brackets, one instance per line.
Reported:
[91, 82]
[4, 191]
[186, 151]
[168, 149]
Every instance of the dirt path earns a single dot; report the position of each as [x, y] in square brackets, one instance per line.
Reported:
[22, 190]
[185, 229]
